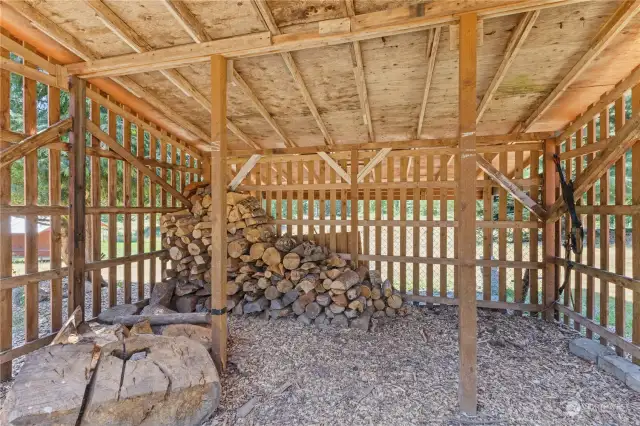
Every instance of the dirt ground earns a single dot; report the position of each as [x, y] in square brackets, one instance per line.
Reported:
[407, 373]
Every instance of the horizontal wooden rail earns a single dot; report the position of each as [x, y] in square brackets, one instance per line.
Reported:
[485, 304]
[611, 337]
[409, 259]
[22, 280]
[611, 210]
[64, 210]
[19, 150]
[410, 223]
[626, 282]
[494, 263]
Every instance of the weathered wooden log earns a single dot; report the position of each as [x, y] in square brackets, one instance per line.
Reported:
[286, 243]
[323, 299]
[271, 256]
[379, 304]
[163, 319]
[272, 293]
[340, 299]
[353, 292]
[387, 288]
[394, 301]
[258, 233]
[237, 248]
[346, 280]
[374, 278]
[313, 309]
[177, 253]
[358, 304]
[291, 261]
[284, 286]
[257, 306]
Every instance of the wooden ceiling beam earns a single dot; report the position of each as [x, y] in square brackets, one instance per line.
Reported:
[265, 12]
[361, 82]
[74, 45]
[616, 147]
[514, 45]
[605, 100]
[432, 50]
[196, 31]
[609, 30]
[367, 26]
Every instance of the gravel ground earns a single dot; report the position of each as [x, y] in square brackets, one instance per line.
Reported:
[406, 373]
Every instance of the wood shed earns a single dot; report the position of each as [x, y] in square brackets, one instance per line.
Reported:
[425, 131]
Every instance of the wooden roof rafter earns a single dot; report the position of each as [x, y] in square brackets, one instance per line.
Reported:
[361, 83]
[623, 15]
[72, 44]
[267, 17]
[432, 50]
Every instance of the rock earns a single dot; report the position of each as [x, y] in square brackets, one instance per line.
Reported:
[186, 304]
[194, 332]
[162, 293]
[362, 322]
[108, 315]
[156, 310]
[175, 384]
[618, 366]
[340, 321]
[46, 375]
[142, 327]
[589, 349]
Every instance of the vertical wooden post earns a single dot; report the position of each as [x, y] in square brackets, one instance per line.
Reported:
[549, 233]
[112, 247]
[6, 303]
[620, 232]
[468, 394]
[218, 211]
[126, 197]
[77, 91]
[354, 208]
[635, 225]
[96, 219]
[55, 299]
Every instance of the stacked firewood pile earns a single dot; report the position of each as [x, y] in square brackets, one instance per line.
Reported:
[273, 276]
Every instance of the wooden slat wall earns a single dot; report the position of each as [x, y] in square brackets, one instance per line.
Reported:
[594, 302]
[399, 234]
[104, 191]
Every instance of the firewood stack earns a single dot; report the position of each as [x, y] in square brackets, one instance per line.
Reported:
[274, 276]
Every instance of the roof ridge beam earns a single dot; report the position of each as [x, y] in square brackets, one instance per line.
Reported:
[609, 30]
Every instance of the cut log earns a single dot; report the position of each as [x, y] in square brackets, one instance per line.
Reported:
[374, 278]
[237, 248]
[379, 304]
[340, 300]
[313, 309]
[387, 288]
[353, 292]
[272, 293]
[271, 256]
[286, 243]
[163, 319]
[323, 299]
[257, 306]
[394, 301]
[359, 304]
[177, 253]
[284, 286]
[291, 261]
[257, 250]
[257, 233]
[346, 280]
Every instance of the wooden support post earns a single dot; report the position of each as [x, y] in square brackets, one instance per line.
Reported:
[77, 92]
[635, 225]
[354, 208]
[549, 235]
[218, 211]
[96, 227]
[6, 302]
[620, 232]
[468, 394]
[55, 299]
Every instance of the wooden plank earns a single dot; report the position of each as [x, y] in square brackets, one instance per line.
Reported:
[433, 41]
[444, 159]
[279, 182]
[430, 242]
[153, 217]
[487, 241]
[502, 233]
[154, 178]
[620, 234]
[299, 200]
[635, 226]
[577, 295]
[30, 180]
[55, 298]
[417, 166]
[112, 245]
[467, 393]
[390, 217]
[311, 204]
[549, 233]
[32, 143]
[533, 237]
[95, 223]
[355, 234]
[605, 100]
[378, 214]
[456, 213]
[189, 22]
[375, 160]
[289, 196]
[322, 202]
[218, 211]
[332, 210]
[499, 177]
[591, 232]
[517, 39]
[140, 134]
[519, 295]
[481, 304]
[244, 171]
[616, 147]
[77, 95]
[126, 196]
[403, 231]
[6, 300]
[623, 15]
[336, 167]
[365, 26]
